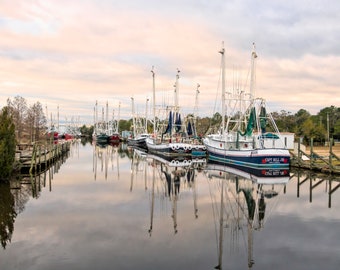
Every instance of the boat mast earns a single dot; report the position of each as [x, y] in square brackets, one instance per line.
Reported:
[146, 115]
[58, 117]
[96, 117]
[94, 120]
[114, 122]
[223, 87]
[118, 120]
[196, 101]
[196, 111]
[154, 101]
[102, 125]
[176, 109]
[252, 74]
[176, 90]
[107, 117]
[133, 117]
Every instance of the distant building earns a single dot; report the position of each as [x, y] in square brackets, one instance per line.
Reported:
[126, 134]
[288, 139]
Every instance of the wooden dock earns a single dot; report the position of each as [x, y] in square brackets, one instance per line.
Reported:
[326, 161]
[37, 157]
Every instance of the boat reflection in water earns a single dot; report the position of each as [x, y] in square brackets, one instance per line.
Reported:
[105, 155]
[240, 201]
[171, 216]
[168, 176]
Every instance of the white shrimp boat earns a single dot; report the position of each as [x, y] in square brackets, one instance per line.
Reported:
[172, 141]
[248, 135]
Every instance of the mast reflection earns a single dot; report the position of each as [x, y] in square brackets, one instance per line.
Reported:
[169, 176]
[105, 156]
[240, 199]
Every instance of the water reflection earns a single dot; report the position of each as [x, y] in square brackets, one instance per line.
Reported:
[313, 179]
[168, 176]
[171, 174]
[105, 155]
[186, 213]
[7, 214]
[106, 158]
[242, 206]
[15, 194]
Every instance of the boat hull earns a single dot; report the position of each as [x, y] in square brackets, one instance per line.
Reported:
[259, 176]
[198, 150]
[101, 138]
[250, 158]
[175, 149]
[182, 161]
[114, 138]
[139, 142]
[168, 149]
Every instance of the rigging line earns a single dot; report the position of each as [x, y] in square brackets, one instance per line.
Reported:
[243, 212]
[245, 239]
[272, 122]
[217, 89]
[275, 203]
[246, 80]
[241, 207]
[213, 202]
[238, 206]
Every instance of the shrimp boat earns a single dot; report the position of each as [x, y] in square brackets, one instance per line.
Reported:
[99, 131]
[140, 128]
[172, 140]
[248, 135]
[105, 130]
[112, 129]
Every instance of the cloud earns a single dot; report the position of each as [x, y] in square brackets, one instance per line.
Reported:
[61, 51]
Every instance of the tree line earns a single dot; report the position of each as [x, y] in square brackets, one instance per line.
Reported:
[18, 123]
[321, 127]
[23, 123]
[29, 120]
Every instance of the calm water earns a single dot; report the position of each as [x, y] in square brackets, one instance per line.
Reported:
[112, 208]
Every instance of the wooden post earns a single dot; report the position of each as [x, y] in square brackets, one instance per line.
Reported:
[330, 157]
[299, 154]
[311, 160]
[45, 153]
[39, 157]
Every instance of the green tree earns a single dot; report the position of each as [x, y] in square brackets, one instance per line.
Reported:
[300, 118]
[329, 117]
[7, 144]
[312, 130]
[337, 129]
[216, 119]
[202, 125]
[125, 125]
[86, 131]
[284, 121]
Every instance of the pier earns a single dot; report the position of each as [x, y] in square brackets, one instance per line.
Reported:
[326, 161]
[37, 157]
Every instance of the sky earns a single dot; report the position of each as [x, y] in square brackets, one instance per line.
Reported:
[70, 54]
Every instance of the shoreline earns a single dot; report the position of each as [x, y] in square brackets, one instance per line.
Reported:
[324, 150]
